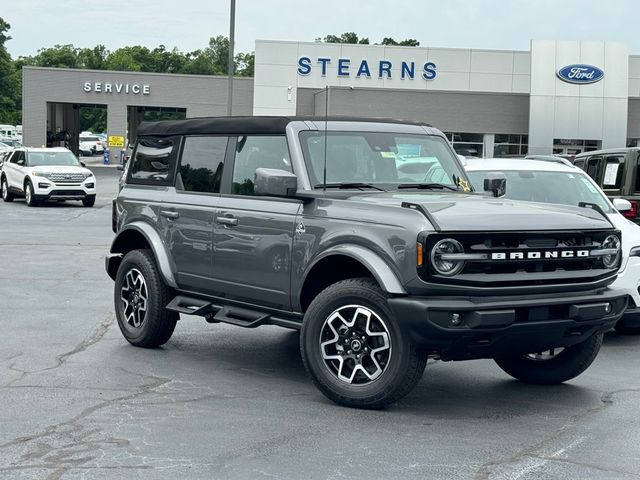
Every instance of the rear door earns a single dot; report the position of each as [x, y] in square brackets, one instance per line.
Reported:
[188, 211]
[253, 235]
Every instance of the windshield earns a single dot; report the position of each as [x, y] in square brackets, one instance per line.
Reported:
[37, 159]
[380, 158]
[563, 188]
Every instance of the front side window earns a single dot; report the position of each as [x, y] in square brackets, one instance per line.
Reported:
[253, 152]
[154, 161]
[562, 188]
[201, 164]
[381, 158]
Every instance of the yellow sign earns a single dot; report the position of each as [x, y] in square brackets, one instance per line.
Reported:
[116, 141]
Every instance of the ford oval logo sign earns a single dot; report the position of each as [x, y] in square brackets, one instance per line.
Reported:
[580, 74]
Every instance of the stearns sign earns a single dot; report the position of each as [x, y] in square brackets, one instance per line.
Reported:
[346, 67]
[117, 87]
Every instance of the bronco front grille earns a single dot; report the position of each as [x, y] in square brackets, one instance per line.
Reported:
[66, 177]
[523, 258]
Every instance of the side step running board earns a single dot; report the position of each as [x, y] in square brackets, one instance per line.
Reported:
[241, 317]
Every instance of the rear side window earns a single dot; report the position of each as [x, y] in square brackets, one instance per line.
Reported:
[154, 161]
[201, 164]
[613, 173]
[638, 174]
[592, 167]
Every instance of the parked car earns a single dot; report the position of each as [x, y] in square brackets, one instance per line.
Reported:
[93, 143]
[616, 172]
[379, 272]
[40, 174]
[557, 181]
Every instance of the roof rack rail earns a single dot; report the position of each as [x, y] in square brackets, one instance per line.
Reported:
[549, 158]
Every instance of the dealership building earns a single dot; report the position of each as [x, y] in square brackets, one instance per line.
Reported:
[560, 96]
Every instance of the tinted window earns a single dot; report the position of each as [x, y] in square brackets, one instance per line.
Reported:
[592, 167]
[638, 174]
[154, 160]
[17, 156]
[253, 152]
[613, 173]
[201, 164]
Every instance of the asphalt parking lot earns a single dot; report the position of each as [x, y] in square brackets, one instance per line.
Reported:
[77, 401]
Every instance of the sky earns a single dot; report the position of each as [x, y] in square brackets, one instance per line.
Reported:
[188, 24]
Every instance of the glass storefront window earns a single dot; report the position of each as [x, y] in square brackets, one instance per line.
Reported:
[510, 145]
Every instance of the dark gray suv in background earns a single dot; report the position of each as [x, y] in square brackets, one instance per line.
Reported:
[364, 235]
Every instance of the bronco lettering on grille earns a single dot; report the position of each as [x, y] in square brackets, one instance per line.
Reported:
[541, 255]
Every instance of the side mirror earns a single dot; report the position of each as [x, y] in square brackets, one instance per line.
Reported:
[621, 204]
[496, 183]
[82, 163]
[274, 182]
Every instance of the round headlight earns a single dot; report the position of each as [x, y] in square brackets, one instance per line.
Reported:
[445, 266]
[611, 242]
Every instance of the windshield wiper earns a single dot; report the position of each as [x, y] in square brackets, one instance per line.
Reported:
[428, 186]
[347, 185]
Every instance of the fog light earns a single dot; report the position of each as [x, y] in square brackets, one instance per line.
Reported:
[607, 308]
[89, 185]
[43, 185]
[456, 319]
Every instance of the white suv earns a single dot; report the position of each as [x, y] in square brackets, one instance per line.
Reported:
[92, 144]
[555, 180]
[40, 174]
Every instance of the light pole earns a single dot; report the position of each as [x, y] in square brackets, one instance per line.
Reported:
[230, 66]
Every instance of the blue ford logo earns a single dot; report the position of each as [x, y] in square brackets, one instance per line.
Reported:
[580, 74]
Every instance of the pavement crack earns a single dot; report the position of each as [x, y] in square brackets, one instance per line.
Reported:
[67, 445]
[486, 470]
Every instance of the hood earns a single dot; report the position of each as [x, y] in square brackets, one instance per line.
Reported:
[61, 169]
[468, 212]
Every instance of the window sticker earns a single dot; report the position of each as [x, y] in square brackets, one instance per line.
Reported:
[610, 174]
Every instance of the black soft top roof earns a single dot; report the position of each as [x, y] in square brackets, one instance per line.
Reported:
[244, 125]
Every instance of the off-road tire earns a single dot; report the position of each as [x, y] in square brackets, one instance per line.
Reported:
[89, 201]
[159, 323]
[7, 196]
[567, 364]
[405, 364]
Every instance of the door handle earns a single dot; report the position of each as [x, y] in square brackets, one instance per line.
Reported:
[230, 221]
[169, 214]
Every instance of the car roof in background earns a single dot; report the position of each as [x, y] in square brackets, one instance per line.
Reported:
[44, 149]
[608, 150]
[502, 164]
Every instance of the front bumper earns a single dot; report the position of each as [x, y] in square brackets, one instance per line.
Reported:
[487, 327]
[629, 281]
[44, 189]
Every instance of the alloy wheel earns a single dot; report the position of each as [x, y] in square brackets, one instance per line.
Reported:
[355, 344]
[134, 296]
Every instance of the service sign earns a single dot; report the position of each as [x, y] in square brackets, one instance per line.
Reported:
[580, 74]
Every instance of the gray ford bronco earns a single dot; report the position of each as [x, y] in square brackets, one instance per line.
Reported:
[363, 234]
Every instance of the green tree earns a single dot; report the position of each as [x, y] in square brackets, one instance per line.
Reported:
[347, 37]
[245, 64]
[93, 58]
[10, 88]
[58, 56]
[409, 42]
